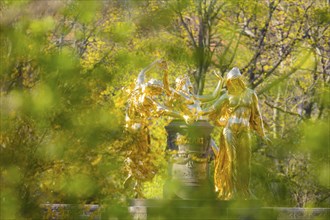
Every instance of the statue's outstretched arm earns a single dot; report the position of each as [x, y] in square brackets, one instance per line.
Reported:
[188, 99]
[163, 110]
[166, 83]
[216, 105]
[215, 94]
[141, 77]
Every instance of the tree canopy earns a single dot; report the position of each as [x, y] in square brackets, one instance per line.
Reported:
[66, 67]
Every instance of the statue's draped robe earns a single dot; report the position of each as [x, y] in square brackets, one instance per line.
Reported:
[232, 164]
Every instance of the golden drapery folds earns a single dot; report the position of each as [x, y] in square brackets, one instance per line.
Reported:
[148, 100]
[236, 111]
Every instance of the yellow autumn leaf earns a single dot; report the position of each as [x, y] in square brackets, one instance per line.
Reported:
[97, 160]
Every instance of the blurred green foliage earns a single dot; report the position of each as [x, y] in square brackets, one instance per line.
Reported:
[65, 68]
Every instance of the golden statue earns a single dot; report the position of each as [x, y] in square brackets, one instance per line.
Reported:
[148, 100]
[236, 110]
[182, 101]
[141, 106]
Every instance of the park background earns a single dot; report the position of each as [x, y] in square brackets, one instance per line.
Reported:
[67, 67]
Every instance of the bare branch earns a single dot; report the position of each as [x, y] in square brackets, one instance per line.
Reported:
[293, 70]
[185, 25]
[262, 36]
[282, 110]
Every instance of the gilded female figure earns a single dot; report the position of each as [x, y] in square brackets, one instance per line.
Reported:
[236, 110]
[141, 106]
[145, 103]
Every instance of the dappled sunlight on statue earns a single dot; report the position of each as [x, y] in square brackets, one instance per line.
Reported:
[236, 110]
[232, 106]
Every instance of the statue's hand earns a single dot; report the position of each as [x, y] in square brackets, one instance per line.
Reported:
[203, 112]
[207, 111]
[160, 110]
[196, 97]
[162, 63]
[188, 119]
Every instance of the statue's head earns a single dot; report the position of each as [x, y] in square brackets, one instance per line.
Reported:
[153, 87]
[233, 73]
[234, 79]
[183, 83]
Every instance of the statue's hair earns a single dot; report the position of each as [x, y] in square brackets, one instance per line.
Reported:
[233, 73]
[183, 81]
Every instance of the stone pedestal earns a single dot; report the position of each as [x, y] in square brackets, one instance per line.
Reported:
[188, 147]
